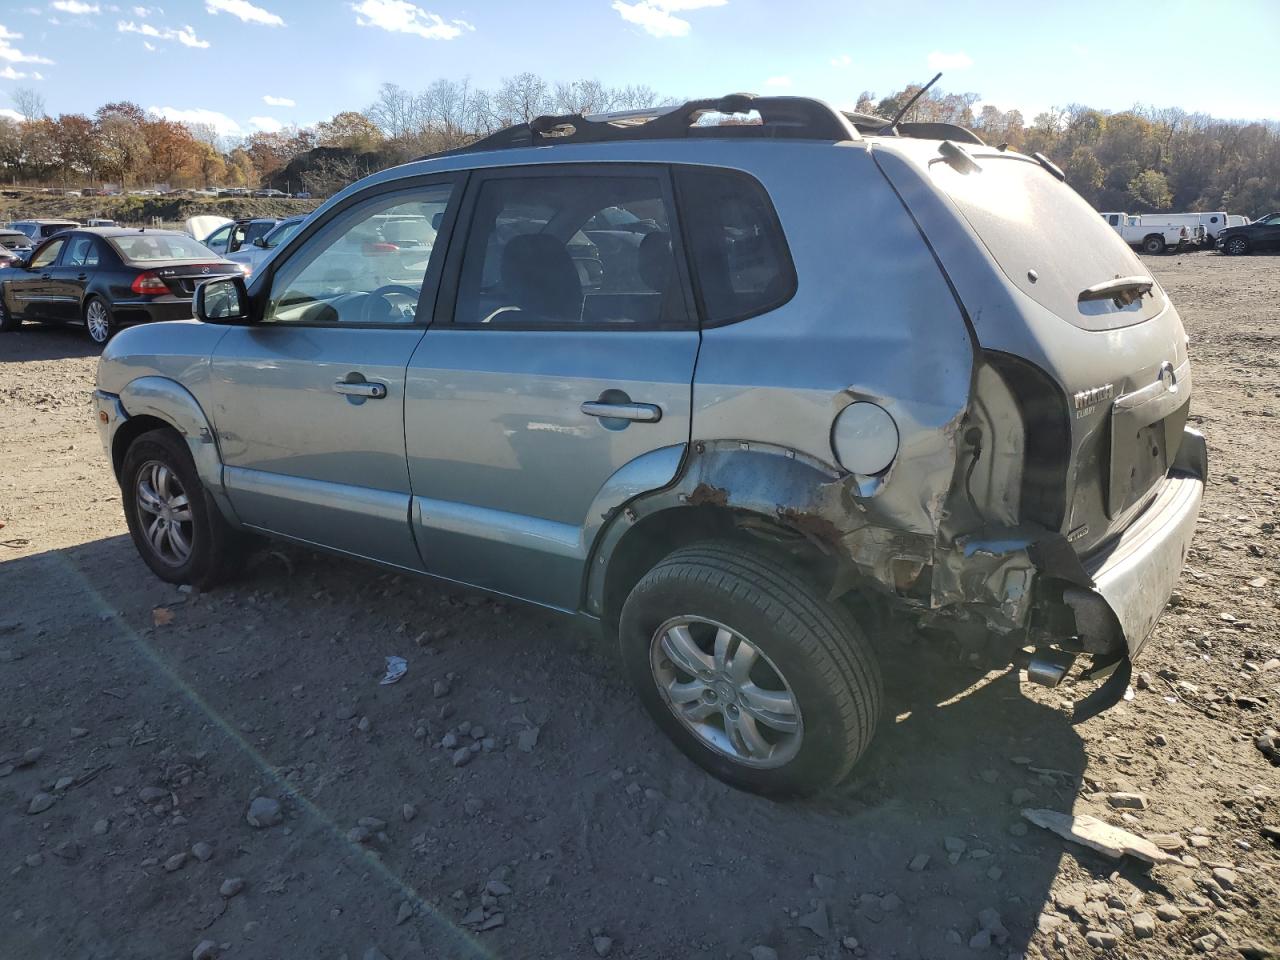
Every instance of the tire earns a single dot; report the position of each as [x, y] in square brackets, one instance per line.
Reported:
[8, 322]
[1153, 244]
[802, 647]
[1236, 246]
[98, 321]
[214, 548]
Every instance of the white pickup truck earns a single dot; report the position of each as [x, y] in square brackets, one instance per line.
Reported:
[1151, 233]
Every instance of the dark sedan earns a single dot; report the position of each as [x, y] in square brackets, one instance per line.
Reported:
[107, 278]
[1257, 237]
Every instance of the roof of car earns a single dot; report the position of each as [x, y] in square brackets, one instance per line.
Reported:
[107, 232]
[46, 222]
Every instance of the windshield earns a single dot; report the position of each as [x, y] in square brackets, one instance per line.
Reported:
[150, 247]
[281, 233]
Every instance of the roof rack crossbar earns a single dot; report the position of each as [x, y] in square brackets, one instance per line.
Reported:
[799, 118]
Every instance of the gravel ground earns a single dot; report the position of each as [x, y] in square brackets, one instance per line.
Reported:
[220, 774]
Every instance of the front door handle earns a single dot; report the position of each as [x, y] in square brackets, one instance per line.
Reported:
[639, 412]
[368, 391]
[46, 276]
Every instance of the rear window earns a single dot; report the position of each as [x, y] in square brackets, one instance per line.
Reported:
[1046, 238]
[147, 247]
[738, 249]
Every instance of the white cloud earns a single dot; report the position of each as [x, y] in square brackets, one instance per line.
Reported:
[844, 60]
[245, 10]
[184, 35]
[75, 7]
[144, 11]
[266, 124]
[778, 82]
[400, 16]
[950, 61]
[658, 17]
[13, 115]
[219, 121]
[148, 45]
[8, 73]
[12, 54]
[271, 101]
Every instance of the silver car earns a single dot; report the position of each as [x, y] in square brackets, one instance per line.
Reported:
[744, 396]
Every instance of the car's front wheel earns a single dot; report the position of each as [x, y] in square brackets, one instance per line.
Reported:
[8, 322]
[98, 321]
[750, 670]
[176, 528]
[1237, 246]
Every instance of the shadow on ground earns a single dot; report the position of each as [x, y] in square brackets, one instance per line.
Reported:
[600, 828]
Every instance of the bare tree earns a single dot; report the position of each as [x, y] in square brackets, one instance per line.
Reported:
[29, 103]
[521, 98]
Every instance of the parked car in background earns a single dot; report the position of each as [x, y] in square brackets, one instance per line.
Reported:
[39, 230]
[15, 242]
[233, 236]
[100, 222]
[1260, 236]
[302, 195]
[107, 278]
[1151, 235]
[253, 253]
[738, 446]
[270, 194]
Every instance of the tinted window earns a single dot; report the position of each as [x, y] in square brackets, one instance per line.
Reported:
[147, 247]
[47, 254]
[368, 265]
[49, 229]
[570, 249]
[281, 232]
[83, 253]
[739, 253]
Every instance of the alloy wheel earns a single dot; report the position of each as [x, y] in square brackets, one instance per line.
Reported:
[98, 322]
[726, 691]
[1237, 245]
[164, 513]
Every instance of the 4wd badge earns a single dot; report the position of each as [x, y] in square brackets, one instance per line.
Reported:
[1086, 400]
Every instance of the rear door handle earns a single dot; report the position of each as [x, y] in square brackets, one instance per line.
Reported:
[369, 391]
[639, 412]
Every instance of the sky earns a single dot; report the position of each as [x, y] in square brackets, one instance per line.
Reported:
[248, 65]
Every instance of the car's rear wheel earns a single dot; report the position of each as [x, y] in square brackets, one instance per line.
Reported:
[752, 672]
[176, 528]
[1153, 245]
[98, 321]
[1237, 246]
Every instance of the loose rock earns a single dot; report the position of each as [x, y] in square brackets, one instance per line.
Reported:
[40, 803]
[202, 852]
[205, 950]
[1127, 801]
[602, 945]
[264, 812]
[231, 887]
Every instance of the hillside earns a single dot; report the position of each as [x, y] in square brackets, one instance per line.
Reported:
[140, 211]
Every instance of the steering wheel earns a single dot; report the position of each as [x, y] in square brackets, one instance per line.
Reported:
[386, 292]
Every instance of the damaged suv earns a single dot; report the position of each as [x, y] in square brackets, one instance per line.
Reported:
[741, 393]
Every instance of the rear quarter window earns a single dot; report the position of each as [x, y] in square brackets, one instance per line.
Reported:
[736, 244]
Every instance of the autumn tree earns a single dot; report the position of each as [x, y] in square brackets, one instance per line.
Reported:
[349, 130]
[174, 153]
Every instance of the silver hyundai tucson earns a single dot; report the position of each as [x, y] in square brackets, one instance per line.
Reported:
[742, 394]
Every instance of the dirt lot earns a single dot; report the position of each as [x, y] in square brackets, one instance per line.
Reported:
[576, 830]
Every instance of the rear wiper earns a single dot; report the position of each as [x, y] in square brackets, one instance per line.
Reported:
[1123, 290]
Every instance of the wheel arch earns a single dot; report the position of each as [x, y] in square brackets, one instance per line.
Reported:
[727, 490]
[155, 402]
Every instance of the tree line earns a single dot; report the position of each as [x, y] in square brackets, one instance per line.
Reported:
[1139, 160]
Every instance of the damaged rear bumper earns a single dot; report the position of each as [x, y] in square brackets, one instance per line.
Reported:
[1107, 603]
[1136, 574]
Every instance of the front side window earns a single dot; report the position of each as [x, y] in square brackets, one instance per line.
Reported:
[738, 249]
[368, 265]
[580, 249]
[47, 254]
[83, 253]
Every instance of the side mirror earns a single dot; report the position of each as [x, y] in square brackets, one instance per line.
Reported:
[224, 301]
[260, 242]
[22, 263]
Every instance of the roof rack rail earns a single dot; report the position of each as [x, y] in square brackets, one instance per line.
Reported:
[782, 118]
[869, 123]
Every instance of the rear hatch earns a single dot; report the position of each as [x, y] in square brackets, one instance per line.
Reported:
[1044, 279]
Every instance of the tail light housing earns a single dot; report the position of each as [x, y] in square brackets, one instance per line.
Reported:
[149, 284]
